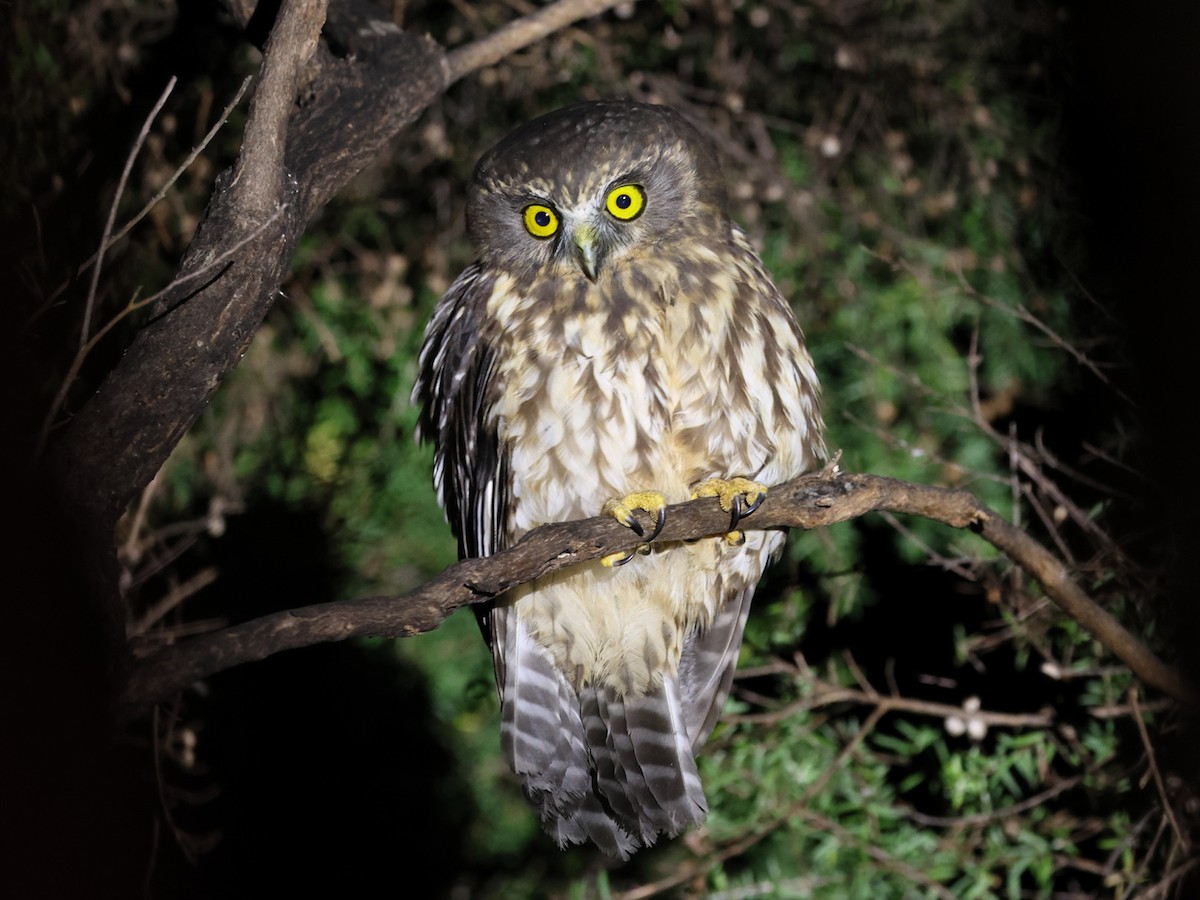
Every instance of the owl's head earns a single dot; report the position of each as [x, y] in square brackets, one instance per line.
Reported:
[573, 192]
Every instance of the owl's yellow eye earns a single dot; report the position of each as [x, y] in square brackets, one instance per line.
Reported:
[540, 221]
[626, 202]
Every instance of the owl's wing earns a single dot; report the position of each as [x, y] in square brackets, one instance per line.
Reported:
[455, 389]
[707, 665]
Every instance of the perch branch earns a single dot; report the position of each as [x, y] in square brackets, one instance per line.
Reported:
[810, 501]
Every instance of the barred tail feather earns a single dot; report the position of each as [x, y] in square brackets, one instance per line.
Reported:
[658, 733]
[645, 768]
[542, 737]
[612, 780]
[615, 770]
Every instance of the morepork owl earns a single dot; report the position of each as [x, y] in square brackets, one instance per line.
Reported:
[618, 345]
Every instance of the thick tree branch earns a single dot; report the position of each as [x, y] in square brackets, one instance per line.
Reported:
[294, 158]
[314, 122]
[811, 501]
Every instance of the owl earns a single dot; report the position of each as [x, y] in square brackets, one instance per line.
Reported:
[616, 346]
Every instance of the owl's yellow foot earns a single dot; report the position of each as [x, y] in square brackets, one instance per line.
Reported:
[738, 496]
[621, 509]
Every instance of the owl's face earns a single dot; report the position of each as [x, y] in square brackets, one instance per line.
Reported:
[574, 192]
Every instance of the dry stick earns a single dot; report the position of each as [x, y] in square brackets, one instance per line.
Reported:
[995, 815]
[112, 210]
[174, 597]
[1020, 312]
[1158, 779]
[175, 176]
[519, 34]
[827, 695]
[810, 501]
[1163, 888]
[1031, 470]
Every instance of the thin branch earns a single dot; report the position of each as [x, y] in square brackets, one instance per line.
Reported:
[995, 815]
[112, 210]
[1020, 312]
[1165, 887]
[520, 33]
[174, 597]
[810, 501]
[1154, 770]
[105, 246]
[829, 694]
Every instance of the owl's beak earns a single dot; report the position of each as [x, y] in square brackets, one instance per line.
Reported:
[587, 242]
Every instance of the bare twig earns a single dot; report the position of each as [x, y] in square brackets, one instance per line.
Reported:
[1020, 312]
[521, 33]
[112, 210]
[1023, 458]
[1168, 809]
[829, 694]
[935, 558]
[810, 501]
[174, 597]
[995, 815]
[106, 245]
[1164, 887]
[131, 552]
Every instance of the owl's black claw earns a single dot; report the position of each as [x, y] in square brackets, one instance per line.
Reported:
[733, 495]
[621, 509]
[660, 519]
[735, 512]
[619, 559]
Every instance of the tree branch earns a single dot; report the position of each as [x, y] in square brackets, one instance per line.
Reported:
[295, 156]
[810, 501]
[520, 33]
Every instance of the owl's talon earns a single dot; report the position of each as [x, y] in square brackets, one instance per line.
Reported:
[735, 515]
[621, 509]
[755, 505]
[733, 494]
[618, 559]
[659, 521]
